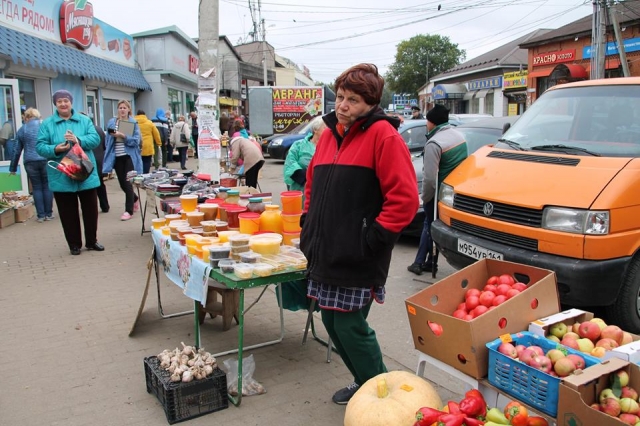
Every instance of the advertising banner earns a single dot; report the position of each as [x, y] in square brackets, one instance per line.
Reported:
[293, 106]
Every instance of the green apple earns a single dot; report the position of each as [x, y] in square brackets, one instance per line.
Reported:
[585, 345]
[554, 338]
[558, 329]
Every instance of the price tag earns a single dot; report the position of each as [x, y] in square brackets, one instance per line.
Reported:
[506, 338]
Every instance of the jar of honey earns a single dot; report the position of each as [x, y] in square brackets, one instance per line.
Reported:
[271, 219]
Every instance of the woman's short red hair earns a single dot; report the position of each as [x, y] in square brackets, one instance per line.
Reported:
[364, 80]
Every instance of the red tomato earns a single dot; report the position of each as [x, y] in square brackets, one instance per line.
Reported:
[519, 286]
[471, 292]
[490, 287]
[472, 302]
[493, 280]
[499, 300]
[479, 310]
[468, 317]
[486, 298]
[462, 306]
[506, 279]
[511, 293]
[502, 289]
[459, 313]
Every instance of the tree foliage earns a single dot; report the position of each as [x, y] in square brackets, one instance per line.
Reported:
[409, 71]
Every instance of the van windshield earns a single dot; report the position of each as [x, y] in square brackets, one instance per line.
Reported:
[600, 120]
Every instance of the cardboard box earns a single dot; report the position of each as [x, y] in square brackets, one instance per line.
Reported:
[25, 213]
[7, 217]
[462, 343]
[541, 326]
[577, 392]
[629, 352]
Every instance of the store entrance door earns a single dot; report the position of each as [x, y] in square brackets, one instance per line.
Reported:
[92, 106]
[10, 122]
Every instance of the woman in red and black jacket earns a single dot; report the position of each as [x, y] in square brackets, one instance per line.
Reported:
[360, 193]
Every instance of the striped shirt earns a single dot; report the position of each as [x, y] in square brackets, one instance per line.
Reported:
[119, 145]
[345, 299]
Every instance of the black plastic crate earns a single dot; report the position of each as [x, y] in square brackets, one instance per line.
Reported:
[184, 401]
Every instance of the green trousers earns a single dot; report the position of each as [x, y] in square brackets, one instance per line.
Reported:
[355, 341]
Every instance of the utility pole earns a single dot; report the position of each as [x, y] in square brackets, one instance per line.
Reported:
[598, 34]
[209, 148]
[426, 88]
[613, 12]
[264, 54]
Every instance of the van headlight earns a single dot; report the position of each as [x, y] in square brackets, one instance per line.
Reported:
[276, 142]
[587, 222]
[446, 194]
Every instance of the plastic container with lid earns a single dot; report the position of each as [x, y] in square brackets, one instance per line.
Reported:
[263, 269]
[233, 196]
[249, 222]
[165, 230]
[222, 193]
[266, 243]
[291, 202]
[291, 222]
[222, 225]
[219, 251]
[244, 200]
[194, 218]
[224, 235]
[206, 251]
[271, 219]
[239, 239]
[189, 202]
[288, 237]
[210, 211]
[250, 257]
[209, 225]
[255, 205]
[243, 270]
[190, 239]
[232, 216]
[226, 265]
[158, 222]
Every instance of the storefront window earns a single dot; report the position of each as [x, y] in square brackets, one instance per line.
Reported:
[488, 103]
[175, 101]
[27, 92]
[191, 102]
[474, 106]
[110, 109]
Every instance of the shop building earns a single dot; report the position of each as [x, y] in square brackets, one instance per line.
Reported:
[564, 54]
[477, 86]
[51, 45]
[169, 61]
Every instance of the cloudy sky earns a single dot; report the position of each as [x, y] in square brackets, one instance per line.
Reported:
[328, 36]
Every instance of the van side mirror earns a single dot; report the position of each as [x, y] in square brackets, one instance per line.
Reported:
[505, 127]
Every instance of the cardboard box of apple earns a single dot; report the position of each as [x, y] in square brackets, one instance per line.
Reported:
[498, 290]
[619, 399]
[555, 362]
[593, 337]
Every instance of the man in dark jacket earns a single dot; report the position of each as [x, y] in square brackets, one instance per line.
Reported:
[98, 153]
[161, 123]
[194, 132]
[416, 114]
[360, 194]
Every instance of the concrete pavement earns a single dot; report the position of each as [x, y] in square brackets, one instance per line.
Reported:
[69, 361]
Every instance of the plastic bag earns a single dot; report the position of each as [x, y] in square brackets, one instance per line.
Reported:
[195, 185]
[74, 164]
[249, 385]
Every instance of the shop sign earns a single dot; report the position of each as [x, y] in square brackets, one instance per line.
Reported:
[554, 57]
[294, 105]
[515, 80]
[193, 64]
[243, 89]
[76, 23]
[630, 45]
[485, 83]
[439, 92]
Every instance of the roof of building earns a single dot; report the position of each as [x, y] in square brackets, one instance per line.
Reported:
[167, 30]
[509, 54]
[629, 13]
[38, 53]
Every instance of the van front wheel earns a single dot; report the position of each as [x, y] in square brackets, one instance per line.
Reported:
[625, 312]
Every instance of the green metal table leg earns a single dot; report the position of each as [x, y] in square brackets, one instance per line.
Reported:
[236, 400]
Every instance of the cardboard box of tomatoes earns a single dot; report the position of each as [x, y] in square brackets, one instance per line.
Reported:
[460, 341]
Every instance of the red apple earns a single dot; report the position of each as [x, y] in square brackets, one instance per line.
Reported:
[629, 392]
[590, 330]
[499, 300]
[542, 363]
[471, 292]
[607, 343]
[577, 360]
[519, 349]
[570, 342]
[537, 349]
[612, 332]
[508, 349]
[629, 419]
[564, 366]
[527, 355]
[486, 298]
[610, 406]
[595, 406]
[626, 338]
[519, 286]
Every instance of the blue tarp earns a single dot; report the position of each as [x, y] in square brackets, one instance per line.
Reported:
[43, 54]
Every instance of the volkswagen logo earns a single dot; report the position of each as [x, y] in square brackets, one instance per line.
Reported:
[487, 209]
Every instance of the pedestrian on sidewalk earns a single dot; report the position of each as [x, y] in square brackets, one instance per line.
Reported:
[445, 149]
[73, 128]
[162, 124]
[151, 141]
[194, 132]
[122, 154]
[98, 153]
[360, 194]
[180, 139]
[34, 164]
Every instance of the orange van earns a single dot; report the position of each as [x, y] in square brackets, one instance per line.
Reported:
[560, 190]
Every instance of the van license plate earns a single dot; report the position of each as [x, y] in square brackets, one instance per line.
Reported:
[477, 252]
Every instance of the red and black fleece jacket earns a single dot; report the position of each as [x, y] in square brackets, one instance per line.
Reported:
[361, 192]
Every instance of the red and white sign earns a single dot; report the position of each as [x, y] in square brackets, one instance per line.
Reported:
[554, 57]
[76, 25]
[193, 64]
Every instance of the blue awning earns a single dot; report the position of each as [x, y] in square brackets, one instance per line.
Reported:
[35, 52]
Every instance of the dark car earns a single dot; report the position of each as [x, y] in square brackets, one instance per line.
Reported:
[278, 145]
[477, 133]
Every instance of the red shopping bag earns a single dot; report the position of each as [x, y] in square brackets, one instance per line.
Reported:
[74, 164]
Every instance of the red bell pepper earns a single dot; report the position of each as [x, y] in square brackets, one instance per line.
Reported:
[470, 421]
[426, 416]
[451, 420]
[472, 407]
[475, 393]
[454, 407]
[516, 413]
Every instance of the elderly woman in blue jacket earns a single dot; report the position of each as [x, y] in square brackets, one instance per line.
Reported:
[122, 154]
[57, 134]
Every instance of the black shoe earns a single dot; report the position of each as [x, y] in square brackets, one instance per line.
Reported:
[343, 396]
[415, 268]
[429, 267]
[105, 210]
[96, 247]
[183, 168]
[75, 251]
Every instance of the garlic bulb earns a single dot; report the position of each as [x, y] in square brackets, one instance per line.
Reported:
[187, 350]
[187, 376]
[175, 377]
